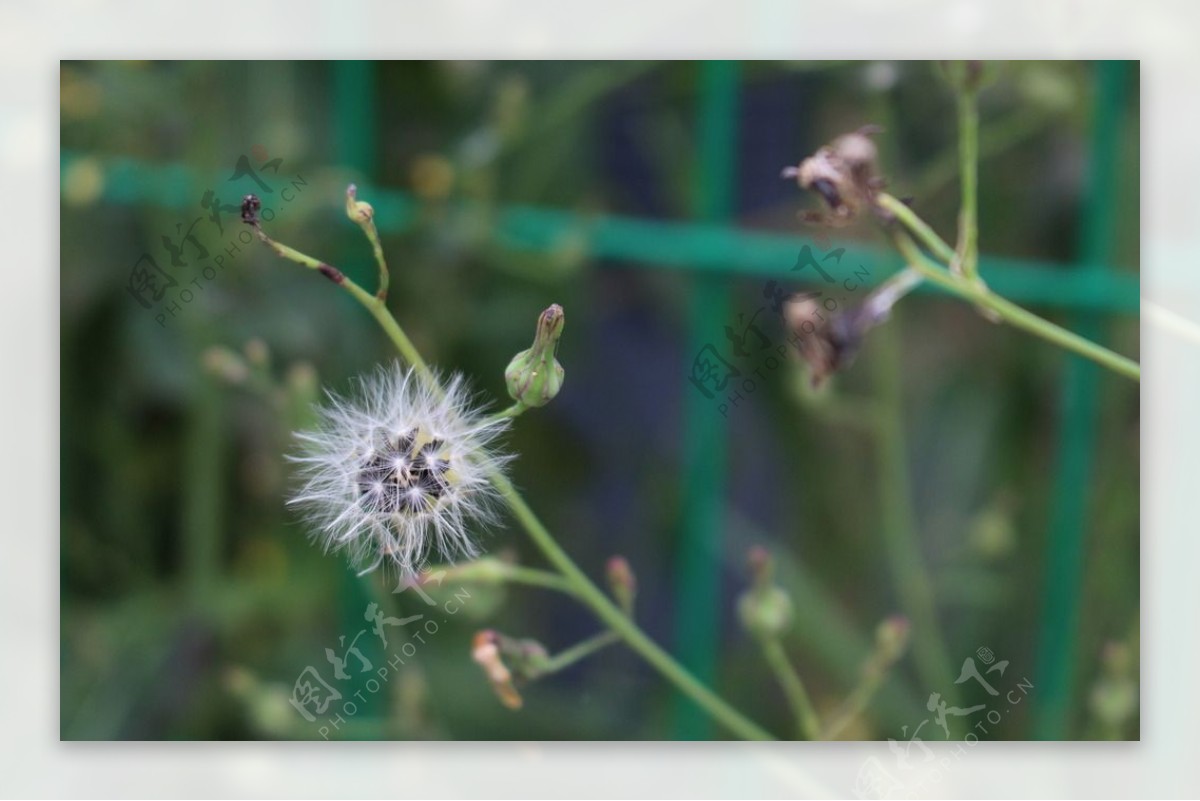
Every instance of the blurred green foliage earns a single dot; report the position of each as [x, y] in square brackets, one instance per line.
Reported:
[191, 600]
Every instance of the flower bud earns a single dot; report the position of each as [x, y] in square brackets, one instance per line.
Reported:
[226, 365]
[534, 376]
[622, 582]
[485, 650]
[891, 638]
[357, 210]
[766, 608]
[967, 76]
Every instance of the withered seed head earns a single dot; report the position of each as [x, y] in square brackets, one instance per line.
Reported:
[844, 173]
[827, 342]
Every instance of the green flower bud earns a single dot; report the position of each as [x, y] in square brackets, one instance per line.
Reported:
[359, 212]
[534, 376]
[766, 608]
[766, 611]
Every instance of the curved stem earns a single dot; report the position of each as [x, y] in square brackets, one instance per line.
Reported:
[807, 722]
[516, 410]
[565, 658]
[918, 227]
[1015, 315]
[854, 705]
[582, 586]
[532, 577]
[619, 622]
[979, 294]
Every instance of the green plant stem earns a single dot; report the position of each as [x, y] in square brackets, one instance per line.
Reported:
[373, 303]
[568, 657]
[901, 544]
[1014, 314]
[377, 248]
[854, 704]
[584, 589]
[978, 293]
[533, 577]
[516, 410]
[918, 227]
[808, 725]
[999, 136]
[967, 252]
[608, 612]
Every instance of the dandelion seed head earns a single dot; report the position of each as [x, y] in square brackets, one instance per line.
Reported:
[399, 471]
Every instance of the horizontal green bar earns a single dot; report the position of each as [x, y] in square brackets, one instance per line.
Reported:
[651, 244]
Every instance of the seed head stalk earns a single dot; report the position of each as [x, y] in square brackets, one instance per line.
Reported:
[576, 581]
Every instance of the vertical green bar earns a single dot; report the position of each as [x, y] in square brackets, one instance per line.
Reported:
[697, 600]
[354, 114]
[1062, 593]
[354, 146]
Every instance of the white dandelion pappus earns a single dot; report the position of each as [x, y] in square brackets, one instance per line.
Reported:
[399, 471]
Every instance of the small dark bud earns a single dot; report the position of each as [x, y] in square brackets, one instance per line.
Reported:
[250, 208]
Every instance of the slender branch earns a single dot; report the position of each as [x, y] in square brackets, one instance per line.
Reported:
[516, 410]
[362, 214]
[566, 658]
[373, 303]
[853, 706]
[532, 577]
[620, 623]
[1014, 314]
[919, 228]
[808, 725]
[914, 586]
[967, 253]
[582, 586]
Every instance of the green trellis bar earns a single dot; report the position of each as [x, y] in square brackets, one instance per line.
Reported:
[688, 246]
[705, 450]
[353, 123]
[1066, 551]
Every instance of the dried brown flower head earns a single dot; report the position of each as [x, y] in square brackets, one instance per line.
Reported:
[828, 340]
[844, 173]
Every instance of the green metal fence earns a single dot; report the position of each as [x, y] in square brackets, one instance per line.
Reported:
[714, 251]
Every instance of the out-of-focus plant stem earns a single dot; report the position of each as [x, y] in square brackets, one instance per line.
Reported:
[982, 296]
[967, 252]
[808, 725]
[913, 582]
[569, 656]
